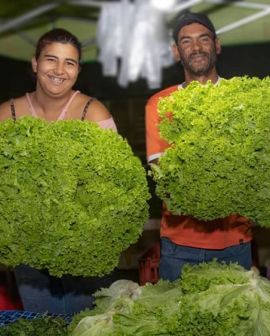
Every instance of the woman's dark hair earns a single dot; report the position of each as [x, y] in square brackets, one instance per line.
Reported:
[57, 35]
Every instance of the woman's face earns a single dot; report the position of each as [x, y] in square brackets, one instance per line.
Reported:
[57, 68]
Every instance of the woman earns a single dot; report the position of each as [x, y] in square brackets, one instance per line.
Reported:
[56, 65]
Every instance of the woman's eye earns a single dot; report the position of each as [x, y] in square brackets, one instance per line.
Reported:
[70, 63]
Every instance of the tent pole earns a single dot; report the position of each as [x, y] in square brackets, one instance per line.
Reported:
[20, 20]
[244, 21]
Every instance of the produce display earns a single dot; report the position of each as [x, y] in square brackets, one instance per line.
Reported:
[211, 300]
[72, 196]
[218, 162]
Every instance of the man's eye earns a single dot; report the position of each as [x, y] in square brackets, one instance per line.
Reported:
[185, 41]
[70, 63]
[205, 39]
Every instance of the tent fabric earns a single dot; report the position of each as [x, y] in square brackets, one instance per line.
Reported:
[238, 22]
[143, 30]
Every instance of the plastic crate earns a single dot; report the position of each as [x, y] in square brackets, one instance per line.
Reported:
[9, 300]
[149, 265]
[10, 316]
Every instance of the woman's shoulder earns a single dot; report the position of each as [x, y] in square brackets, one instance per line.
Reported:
[6, 107]
[5, 110]
[93, 109]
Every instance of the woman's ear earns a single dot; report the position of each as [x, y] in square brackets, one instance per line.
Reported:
[34, 64]
[176, 53]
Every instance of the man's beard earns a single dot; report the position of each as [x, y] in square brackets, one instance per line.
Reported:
[202, 70]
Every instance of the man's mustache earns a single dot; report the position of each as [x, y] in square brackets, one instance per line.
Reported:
[199, 53]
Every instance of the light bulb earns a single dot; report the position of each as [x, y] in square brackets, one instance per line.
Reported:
[163, 4]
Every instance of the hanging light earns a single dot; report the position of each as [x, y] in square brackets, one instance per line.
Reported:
[163, 5]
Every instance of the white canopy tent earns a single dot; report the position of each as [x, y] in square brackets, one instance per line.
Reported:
[171, 7]
[124, 29]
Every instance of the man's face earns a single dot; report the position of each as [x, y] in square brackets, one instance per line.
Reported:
[197, 49]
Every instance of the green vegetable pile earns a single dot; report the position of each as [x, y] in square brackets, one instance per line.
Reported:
[72, 196]
[211, 300]
[126, 309]
[221, 300]
[41, 326]
[219, 159]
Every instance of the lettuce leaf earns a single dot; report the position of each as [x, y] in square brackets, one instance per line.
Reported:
[225, 307]
[130, 309]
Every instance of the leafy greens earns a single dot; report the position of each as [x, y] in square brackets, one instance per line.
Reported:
[211, 299]
[126, 309]
[72, 196]
[40, 326]
[218, 162]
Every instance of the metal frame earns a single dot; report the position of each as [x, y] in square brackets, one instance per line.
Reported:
[263, 10]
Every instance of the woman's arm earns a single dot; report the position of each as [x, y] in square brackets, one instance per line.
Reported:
[98, 113]
[5, 112]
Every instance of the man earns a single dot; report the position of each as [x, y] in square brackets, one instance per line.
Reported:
[185, 239]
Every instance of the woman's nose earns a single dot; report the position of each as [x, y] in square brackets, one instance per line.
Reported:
[59, 68]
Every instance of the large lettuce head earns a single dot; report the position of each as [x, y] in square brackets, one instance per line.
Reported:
[72, 196]
[219, 159]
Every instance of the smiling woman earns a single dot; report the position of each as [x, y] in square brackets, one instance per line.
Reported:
[56, 65]
[57, 69]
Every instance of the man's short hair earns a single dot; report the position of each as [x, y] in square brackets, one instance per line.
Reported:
[189, 18]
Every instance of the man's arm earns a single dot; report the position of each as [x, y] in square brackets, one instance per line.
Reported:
[155, 146]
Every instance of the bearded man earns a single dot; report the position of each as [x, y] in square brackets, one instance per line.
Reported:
[185, 239]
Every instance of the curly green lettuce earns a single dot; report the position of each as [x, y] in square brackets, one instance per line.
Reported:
[41, 326]
[72, 196]
[219, 159]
